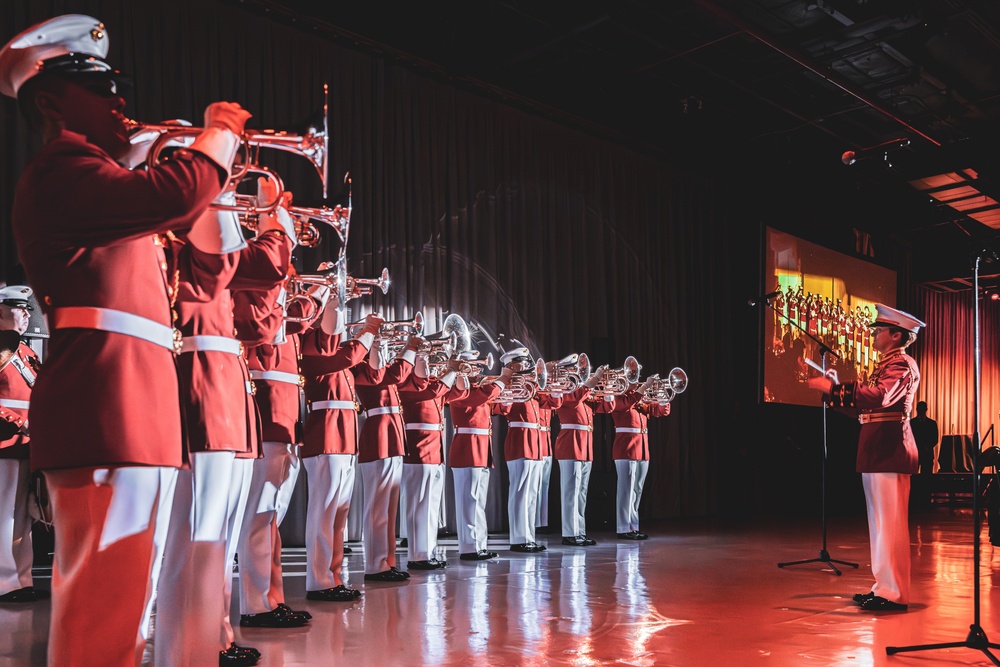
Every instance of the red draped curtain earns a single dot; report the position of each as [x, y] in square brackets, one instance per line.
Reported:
[945, 353]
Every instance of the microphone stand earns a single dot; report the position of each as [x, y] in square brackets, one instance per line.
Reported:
[824, 555]
[976, 638]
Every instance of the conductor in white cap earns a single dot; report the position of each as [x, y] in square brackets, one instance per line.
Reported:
[105, 413]
[887, 453]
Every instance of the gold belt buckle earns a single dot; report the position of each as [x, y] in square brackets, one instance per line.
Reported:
[178, 342]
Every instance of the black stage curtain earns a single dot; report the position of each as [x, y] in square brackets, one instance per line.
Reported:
[525, 226]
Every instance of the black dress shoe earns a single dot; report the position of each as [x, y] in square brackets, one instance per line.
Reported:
[406, 575]
[26, 594]
[348, 550]
[641, 536]
[482, 554]
[587, 542]
[337, 594]
[403, 543]
[878, 603]
[528, 548]
[861, 597]
[391, 574]
[630, 535]
[579, 541]
[273, 619]
[432, 564]
[283, 608]
[238, 656]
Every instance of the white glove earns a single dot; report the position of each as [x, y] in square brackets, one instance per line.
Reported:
[220, 141]
[333, 322]
[279, 219]
[420, 367]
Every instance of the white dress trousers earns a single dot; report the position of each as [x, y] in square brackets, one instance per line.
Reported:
[574, 478]
[239, 492]
[522, 499]
[381, 479]
[191, 600]
[422, 486]
[259, 547]
[471, 488]
[631, 477]
[105, 520]
[542, 512]
[403, 535]
[331, 484]
[16, 554]
[887, 496]
[168, 482]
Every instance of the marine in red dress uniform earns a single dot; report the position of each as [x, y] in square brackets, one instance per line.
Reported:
[422, 481]
[471, 459]
[631, 455]
[222, 439]
[547, 403]
[523, 451]
[274, 369]
[18, 366]
[330, 446]
[381, 446]
[887, 453]
[89, 253]
[575, 453]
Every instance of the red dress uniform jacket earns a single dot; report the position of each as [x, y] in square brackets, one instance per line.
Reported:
[627, 411]
[473, 411]
[259, 317]
[84, 227]
[15, 395]
[884, 446]
[381, 435]
[423, 403]
[521, 443]
[326, 364]
[219, 408]
[573, 444]
[546, 404]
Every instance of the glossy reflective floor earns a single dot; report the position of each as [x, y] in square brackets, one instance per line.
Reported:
[697, 593]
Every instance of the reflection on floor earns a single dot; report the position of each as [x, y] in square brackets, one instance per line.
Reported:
[696, 593]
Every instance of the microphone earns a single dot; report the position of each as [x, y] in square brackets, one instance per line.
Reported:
[763, 297]
[881, 150]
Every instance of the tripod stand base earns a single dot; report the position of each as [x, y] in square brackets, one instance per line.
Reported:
[824, 557]
[976, 640]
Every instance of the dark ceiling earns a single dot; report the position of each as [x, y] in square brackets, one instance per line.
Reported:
[912, 87]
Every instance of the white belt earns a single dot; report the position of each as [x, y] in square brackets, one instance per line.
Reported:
[523, 425]
[385, 410]
[277, 376]
[869, 417]
[545, 429]
[425, 427]
[630, 429]
[115, 321]
[332, 405]
[576, 427]
[12, 403]
[211, 344]
[468, 430]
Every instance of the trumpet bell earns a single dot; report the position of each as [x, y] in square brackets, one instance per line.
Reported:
[678, 380]
[631, 369]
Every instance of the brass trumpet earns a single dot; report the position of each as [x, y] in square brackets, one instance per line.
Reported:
[353, 287]
[663, 390]
[474, 368]
[616, 381]
[398, 331]
[567, 374]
